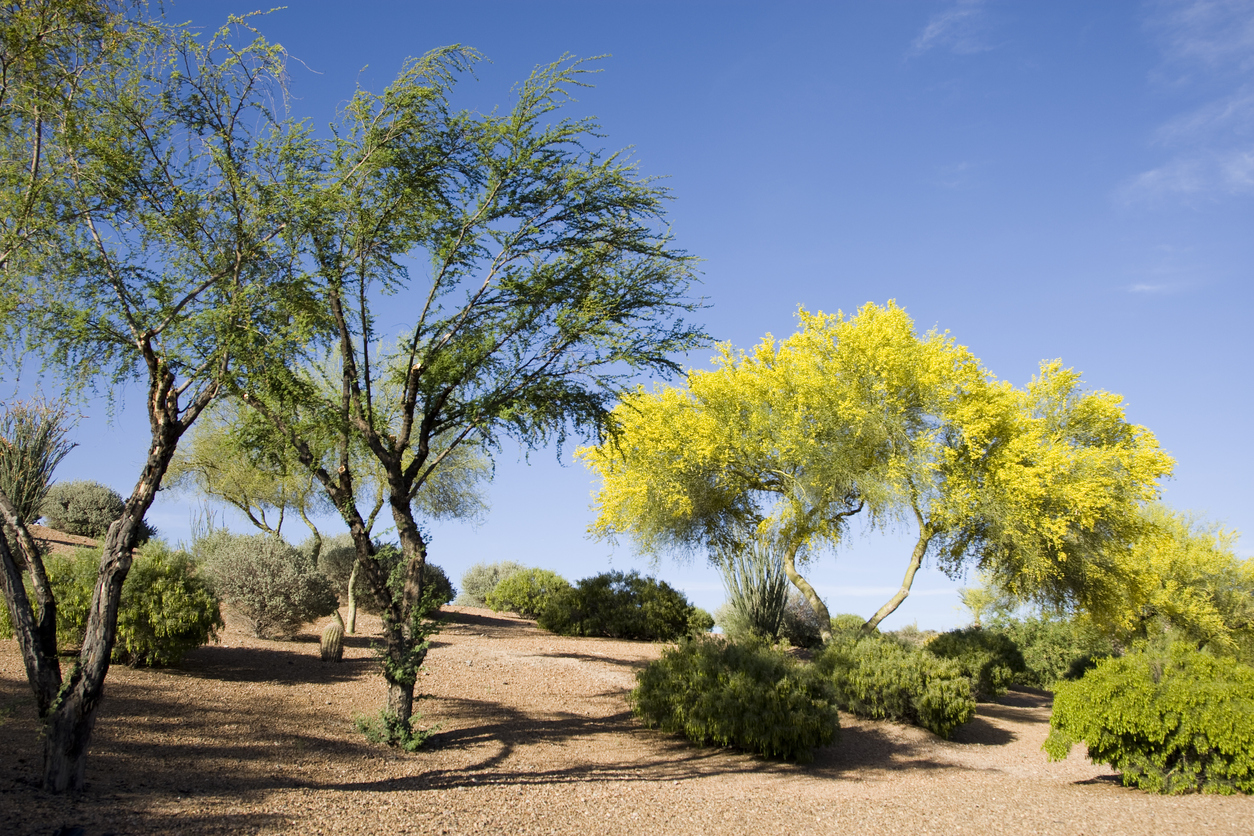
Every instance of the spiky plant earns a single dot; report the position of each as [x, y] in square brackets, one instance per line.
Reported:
[32, 443]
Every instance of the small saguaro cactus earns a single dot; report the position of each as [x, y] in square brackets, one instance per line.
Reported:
[332, 647]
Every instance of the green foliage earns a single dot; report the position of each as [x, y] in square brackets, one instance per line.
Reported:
[1053, 647]
[527, 592]
[847, 624]
[699, 621]
[86, 509]
[911, 636]
[757, 587]
[990, 658]
[481, 578]
[1172, 719]
[32, 443]
[394, 731]
[618, 606]
[273, 585]
[878, 678]
[166, 608]
[437, 589]
[732, 694]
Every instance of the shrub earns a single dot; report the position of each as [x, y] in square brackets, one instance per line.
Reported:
[86, 509]
[743, 695]
[482, 578]
[527, 592]
[989, 658]
[1053, 648]
[911, 636]
[699, 621]
[878, 678]
[166, 609]
[801, 624]
[32, 443]
[618, 606]
[847, 624]
[1171, 721]
[336, 559]
[274, 586]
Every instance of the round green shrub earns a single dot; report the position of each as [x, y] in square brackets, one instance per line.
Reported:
[744, 695]
[480, 579]
[990, 658]
[273, 585]
[1173, 721]
[86, 509]
[618, 606]
[527, 593]
[700, 621]
[847, 624]
[166, 609]
[878, 678]
[336, 559]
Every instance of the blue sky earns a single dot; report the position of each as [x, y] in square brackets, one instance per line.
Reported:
[1067, 180]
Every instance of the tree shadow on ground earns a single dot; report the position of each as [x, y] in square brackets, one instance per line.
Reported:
[294, 665]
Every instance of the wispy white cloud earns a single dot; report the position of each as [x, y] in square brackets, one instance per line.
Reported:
[954, 176]
[961, 28]
[1211, 146]
[1151, 289]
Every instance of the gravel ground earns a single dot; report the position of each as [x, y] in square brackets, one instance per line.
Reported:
[534, 736]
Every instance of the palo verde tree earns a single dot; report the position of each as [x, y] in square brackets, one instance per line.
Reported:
[861, 415]
[172, 182]
[526, 280]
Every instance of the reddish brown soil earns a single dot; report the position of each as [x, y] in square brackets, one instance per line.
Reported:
[535, 736]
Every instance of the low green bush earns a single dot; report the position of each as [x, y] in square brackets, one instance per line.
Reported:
[166, 608]
[744, 695]
[527, 592]
[618, 606]
[847, 624]
[481, 578]
[273, 585]
[878, 678]
[990, 658]
[437, 589]
[86, 509]
[1054, 648]
[1171, 720]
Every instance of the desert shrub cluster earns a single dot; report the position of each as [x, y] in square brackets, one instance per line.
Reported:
[989, 658]
[747, 695]
[1172, 719]
[878, 678]
[86, 509]
[619, 606]
[481, 578]
[526, 592]
[166, 609]
[273, 585]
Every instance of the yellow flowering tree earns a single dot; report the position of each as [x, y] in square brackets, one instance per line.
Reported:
[862, 415]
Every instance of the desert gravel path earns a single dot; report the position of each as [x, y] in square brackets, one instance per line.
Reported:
[534, 737]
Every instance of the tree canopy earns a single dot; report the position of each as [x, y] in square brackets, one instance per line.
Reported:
[548, 279]
[861, 415]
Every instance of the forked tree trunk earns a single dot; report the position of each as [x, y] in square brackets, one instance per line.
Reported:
[916, 560]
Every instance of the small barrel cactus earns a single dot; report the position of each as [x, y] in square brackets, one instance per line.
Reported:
[332, 647]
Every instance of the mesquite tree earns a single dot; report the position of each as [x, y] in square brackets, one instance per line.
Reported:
[488, 276]
[159, 183]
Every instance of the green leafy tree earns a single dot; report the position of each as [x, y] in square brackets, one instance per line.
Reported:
[172, 184]
[861, 415]
[549, 283]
